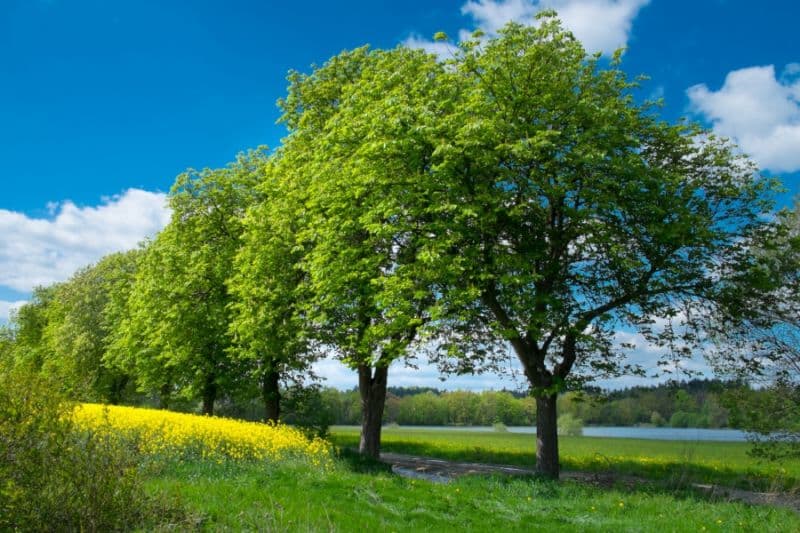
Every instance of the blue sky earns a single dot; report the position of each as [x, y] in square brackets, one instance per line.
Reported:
[102, 103]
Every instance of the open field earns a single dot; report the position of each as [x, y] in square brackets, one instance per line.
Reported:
[216, 474]
[673, 462]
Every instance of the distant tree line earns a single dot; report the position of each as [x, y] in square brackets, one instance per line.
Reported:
[696, 403]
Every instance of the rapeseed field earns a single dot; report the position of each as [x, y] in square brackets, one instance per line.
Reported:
[171, 434]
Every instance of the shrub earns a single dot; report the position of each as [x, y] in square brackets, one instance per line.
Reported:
[304, 408]
[499, 427]
[569, 425]
[54, 476]
[657, 420]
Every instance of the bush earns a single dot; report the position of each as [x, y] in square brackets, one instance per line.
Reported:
[569, 425]
[304, 408]
[53, 476]
[657, 420]
[682, 419]
[499, 427]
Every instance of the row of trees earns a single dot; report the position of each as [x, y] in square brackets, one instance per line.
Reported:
[693, 404]
[513, 198]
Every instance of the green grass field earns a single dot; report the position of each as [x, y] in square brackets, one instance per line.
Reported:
[357, 495]
[673, 462]
[258, 497]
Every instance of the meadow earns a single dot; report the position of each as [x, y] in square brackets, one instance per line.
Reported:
[302, 485]
[675, 463]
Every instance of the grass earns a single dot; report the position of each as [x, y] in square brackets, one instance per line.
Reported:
[250, 496]
[235, 491]
[673, 462]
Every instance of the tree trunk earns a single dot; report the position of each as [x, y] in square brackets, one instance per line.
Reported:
[546, 437]
[118, 384]
[163, 396]
[271, 394]
[209, 395]
[372, 388]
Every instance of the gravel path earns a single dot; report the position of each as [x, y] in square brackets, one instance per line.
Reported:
[442, 471]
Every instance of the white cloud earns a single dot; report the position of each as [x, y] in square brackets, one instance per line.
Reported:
[440, 48]
[647, 355]
[759, 111]
[512, 378]
[7, 307]
[601, 25]
[36, 251]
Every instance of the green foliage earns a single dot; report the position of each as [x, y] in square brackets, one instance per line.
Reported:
[304, 407]
[55, 477]
[65, 330]
[569, 425]
[80, 325]
[363, 155]
[630, 407]
[175, 338]
[28, 324]
[765, 349]
[657, 419]
[270, 332]
[772, 416]
[499, 427]
[562, 210]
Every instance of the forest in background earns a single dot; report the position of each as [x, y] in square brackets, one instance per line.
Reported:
[696, 403]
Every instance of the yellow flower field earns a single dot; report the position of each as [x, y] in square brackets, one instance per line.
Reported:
[176, 434]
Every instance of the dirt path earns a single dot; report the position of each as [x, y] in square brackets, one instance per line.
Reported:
[442, 471]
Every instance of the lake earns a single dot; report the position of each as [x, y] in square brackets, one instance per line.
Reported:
[654, 433]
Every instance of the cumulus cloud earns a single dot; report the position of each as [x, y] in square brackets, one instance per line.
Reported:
[759, 110]
[601, 25]
[512, 377]
[646, 355]
[39, 251]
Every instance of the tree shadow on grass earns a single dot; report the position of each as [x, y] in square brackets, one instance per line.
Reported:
[672, 475]
[358, 463]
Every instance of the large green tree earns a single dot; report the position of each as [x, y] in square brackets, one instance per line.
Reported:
[269, 327]
[568, 210]
[359, 146]
[81, 321]
[176, 337]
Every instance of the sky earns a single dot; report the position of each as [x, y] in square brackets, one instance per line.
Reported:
[103, 103]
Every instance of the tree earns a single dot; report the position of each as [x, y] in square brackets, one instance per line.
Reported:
[269, 328]
[764, 349]
[80, 324]
[176, 337]
[358, 141]
[28, 323]
[566, 210]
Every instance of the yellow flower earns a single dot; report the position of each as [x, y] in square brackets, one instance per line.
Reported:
[214, 438]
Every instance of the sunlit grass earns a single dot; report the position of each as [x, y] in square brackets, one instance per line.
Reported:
[290, 497]
[676, 462]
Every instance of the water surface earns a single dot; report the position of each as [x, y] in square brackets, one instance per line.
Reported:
[653, 433]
